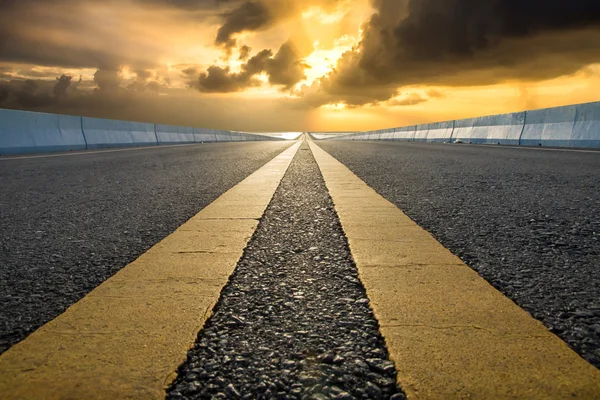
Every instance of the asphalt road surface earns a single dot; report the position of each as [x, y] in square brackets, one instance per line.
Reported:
[294, 322]
[69, 222]
[527, 220]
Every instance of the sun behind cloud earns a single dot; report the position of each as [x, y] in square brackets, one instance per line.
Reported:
[296, 65]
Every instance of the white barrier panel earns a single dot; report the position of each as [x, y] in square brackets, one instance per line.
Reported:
[549, 127]
[586, 131]
[440, 132]
[215, 135]
[223, 136]
[405, 133]
[203, 136]
[24, 132]
[236, 136]
[462, 130]
[421, 133]
[169, 134]
[387, 134]
[103, 133]
[498, 129]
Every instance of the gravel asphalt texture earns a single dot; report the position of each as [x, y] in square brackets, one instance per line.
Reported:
[526, 220]
[294, 321]
[70, 222]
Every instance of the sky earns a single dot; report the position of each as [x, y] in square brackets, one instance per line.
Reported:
[297, 65]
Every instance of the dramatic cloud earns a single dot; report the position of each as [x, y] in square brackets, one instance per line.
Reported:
[421, 59]
[249, 16]
[257, 15]
[244, 52]
[62, 85]
[284, 70]
[108, 80]
[465, 42]
[27, 94]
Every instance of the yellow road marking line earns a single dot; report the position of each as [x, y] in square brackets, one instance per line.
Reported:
[450, 333]
[126, 338]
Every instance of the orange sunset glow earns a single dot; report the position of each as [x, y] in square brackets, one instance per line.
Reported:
[292, 65]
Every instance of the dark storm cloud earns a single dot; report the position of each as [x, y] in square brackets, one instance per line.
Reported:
[27, 94]
[256, 15]
[465, 42]
[105, 96]
[4, 92]
[222, 80]
[244, 52]
[435, 29]
[108, 80]
[51, 95]
[248, 16]
[62, 85]
[284, 70]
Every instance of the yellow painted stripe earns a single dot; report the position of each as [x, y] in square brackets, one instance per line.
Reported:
[126, 338]
[450, 333]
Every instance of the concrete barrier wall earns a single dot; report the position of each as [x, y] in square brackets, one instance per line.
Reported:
[494, 129]
[223, 136]
[462, 130]
[421, 132]
[105, 133]
[569, 126]
[372, 135]
[406, 133]
[440, 132]
[170, 134]
[549, 127]
[387, 134]
[236, 137]
[204, 135]
[24, 132]
[586, 130]
[498, 129]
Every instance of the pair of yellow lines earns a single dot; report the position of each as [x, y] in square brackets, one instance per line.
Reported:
[451, 334]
